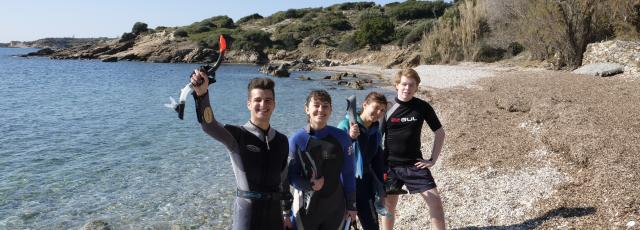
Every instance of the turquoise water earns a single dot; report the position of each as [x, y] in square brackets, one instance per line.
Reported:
[84, 140]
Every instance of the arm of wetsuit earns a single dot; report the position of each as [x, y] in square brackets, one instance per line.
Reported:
[296, 177]
[210, 125]
[377, 164]
[284, 186]
[348, 174]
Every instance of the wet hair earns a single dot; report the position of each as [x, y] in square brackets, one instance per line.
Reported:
[409, 73]
[375, 97]
[321, 95]
[261, 83]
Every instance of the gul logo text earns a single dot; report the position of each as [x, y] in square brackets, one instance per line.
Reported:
[403, 119]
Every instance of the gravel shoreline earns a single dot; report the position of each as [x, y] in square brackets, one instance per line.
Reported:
[529, 148]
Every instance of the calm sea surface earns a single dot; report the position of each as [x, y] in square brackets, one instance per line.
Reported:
[83, 140]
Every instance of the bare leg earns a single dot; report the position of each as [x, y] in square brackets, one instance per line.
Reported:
[390, 203]
[436, 212]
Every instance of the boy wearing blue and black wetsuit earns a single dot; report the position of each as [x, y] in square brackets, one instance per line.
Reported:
[258, 153]
[321, 167]
[369, 163]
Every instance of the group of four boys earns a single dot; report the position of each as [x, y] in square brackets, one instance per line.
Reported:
[333, 178]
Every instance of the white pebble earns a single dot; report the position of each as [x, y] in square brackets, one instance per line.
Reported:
[631, 224]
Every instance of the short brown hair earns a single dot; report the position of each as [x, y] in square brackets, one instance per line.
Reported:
[320, 94]
[410, 73]
[261, 83]
[376, 97]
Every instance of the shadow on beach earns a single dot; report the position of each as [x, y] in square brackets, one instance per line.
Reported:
[533, 223]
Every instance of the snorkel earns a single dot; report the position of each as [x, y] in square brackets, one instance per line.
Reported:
[210, 70]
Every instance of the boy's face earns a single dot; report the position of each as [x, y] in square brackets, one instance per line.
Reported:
[407, 87]
[261, 104]
[318, 112]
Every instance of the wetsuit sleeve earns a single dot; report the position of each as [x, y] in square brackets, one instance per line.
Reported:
[431, 118]
[377, 164]
[211, 126]
[284, 184]
[295, 166]
[348, 174]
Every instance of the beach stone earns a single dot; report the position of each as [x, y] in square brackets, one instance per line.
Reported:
[282, 71]
[304, 78]
[600, 69]
[96, 225]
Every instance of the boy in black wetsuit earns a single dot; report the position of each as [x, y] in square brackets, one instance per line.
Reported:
[403, 126]
[258, 154]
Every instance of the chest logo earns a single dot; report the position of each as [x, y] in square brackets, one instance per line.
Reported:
[403, 119]
[253, 148]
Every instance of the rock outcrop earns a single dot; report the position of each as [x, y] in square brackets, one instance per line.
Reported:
[626, 53]
[600, 69]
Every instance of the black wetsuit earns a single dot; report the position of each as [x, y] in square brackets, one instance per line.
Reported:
[328, 151]
[259, 160]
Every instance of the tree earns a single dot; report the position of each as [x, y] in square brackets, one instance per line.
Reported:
[139, 27]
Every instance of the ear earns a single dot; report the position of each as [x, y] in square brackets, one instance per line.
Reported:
[248, 104]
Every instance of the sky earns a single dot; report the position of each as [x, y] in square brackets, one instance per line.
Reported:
[28, 20]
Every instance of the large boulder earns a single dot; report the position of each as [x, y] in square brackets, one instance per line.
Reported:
[625, 53]
[600, 69]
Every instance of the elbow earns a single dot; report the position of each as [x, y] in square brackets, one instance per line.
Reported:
[440, 132]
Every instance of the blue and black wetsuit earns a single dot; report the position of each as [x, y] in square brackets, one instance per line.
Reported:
[259, 159]
[372, 165]
[328, 152]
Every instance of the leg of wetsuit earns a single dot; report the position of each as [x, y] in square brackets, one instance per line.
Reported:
[328, 213]
[257, 214]
[242, 214]
[365, 196]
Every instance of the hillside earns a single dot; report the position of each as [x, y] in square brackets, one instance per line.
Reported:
[549, 34]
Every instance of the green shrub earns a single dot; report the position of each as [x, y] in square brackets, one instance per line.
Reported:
[288, 42]
[340, 24]
[256, 40]
[374, 31]
[223, 22]
[413, 9]
[416, 33]
[127, 36]
[514, 48]
[352, 6]
[487, 53]
[181, 33]
[348, 44]
[139, 27]
[250, 18]
[202, 29]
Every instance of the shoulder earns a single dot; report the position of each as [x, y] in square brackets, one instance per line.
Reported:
[281, 137]
[343, 124]
[340, 134]
[298, 135]
[233, 129]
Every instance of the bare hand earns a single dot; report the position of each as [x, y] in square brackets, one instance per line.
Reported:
[202, 88]
[423, 164]
[354, 131]
[287, 222]
[316, 184]
[353, 215]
